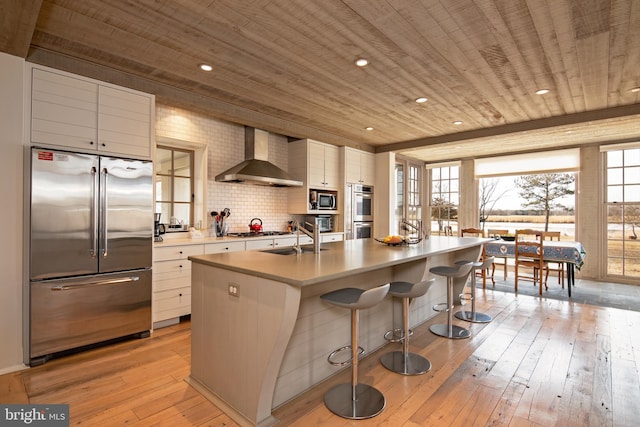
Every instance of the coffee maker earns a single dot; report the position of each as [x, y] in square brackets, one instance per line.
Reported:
[158, 228]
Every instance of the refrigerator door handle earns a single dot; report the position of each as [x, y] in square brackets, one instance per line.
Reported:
[121, 280]
[94, 213]
[103, 202]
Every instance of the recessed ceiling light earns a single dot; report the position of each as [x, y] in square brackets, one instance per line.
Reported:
[369, 128]
[421, 100]
[457, 122]
[206, 67]
[542, 91]
[635, 89]
[361, 62]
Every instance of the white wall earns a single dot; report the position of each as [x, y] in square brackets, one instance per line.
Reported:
[384, 197]
[11, 190]
[225, 142]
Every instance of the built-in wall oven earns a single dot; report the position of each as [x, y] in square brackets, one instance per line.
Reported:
[362, 230]
[359, 212]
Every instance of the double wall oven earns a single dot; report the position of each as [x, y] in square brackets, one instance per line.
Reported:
[359, 212]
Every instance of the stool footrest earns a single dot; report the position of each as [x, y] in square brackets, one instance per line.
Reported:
[340, 350]
[396, 335]
[441, 306]
[465, 297]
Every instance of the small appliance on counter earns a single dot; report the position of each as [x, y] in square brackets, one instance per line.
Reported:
[255, 225]
[325, 222]
[158, 228]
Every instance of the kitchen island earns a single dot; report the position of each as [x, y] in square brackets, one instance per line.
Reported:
[261, 334]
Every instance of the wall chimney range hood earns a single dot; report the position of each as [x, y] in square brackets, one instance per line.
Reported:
[256, 169]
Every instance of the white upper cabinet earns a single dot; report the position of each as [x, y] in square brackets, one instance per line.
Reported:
[359, 167]
[78, 113]
[317, 165]
[64, 110]
[124, 122]
[323, 165]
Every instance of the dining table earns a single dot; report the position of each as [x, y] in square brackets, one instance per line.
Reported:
[571, 253]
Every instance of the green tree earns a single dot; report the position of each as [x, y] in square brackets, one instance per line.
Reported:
[541, 192]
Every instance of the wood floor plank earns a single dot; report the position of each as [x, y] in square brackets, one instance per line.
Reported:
[539, 362]
[12, 389]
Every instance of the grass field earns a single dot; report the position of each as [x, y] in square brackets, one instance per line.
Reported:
[536, 219]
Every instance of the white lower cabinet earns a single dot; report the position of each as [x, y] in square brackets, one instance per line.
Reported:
[172, 272]
[331, 237]
[218, 248]
[172, 283]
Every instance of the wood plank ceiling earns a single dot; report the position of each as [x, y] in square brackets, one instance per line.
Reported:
[287, 66]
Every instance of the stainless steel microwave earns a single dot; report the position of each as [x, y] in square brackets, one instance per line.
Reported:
[327, 201]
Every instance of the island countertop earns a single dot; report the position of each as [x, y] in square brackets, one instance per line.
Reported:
[336, 260]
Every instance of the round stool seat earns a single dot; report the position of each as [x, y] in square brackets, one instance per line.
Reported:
[403, 362]
[450, 330]
[356, 299]
[450, 271]
[473, 315]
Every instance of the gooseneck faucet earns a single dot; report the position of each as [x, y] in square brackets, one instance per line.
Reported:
[315, 235]
[419, 228]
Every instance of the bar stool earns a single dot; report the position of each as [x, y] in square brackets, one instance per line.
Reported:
[354, 401]
[403, 362]
[473, 315]
[450, 330]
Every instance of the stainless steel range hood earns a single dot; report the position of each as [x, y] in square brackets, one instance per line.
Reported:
[256, 169]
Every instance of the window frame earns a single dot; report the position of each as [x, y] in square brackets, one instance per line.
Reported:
[172, 177]
[450, 221]
[619, 246]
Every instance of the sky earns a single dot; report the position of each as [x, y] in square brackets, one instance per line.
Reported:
[511, 200]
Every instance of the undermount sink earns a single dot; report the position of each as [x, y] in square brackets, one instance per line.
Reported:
[290, 250]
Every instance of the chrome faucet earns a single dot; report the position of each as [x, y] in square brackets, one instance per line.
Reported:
[419, 228]
[315, 236]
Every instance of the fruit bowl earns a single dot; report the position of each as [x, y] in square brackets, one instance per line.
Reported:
[399, 241]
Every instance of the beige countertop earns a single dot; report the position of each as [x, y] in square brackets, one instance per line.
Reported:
[338, 259]
[179, 240]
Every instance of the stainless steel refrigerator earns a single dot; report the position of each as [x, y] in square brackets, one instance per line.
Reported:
[91, 237]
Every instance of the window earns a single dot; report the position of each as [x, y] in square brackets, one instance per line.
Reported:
[623, 212]
[414, 204]
[445, 196]
[408, 193]
[174, 185]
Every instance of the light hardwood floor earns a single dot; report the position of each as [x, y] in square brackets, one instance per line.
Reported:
[540, 362]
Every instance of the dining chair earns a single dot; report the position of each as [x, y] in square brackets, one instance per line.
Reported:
[529, 254]
[558, 267]
[476, 232]
[494, 232]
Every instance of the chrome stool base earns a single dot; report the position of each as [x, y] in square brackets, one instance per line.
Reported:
[368, 402]
[456, 331]
[476, 317]
[413, 364]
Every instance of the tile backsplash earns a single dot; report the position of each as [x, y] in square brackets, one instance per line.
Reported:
[225, 143]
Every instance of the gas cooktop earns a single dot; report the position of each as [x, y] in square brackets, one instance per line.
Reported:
[259, 233]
